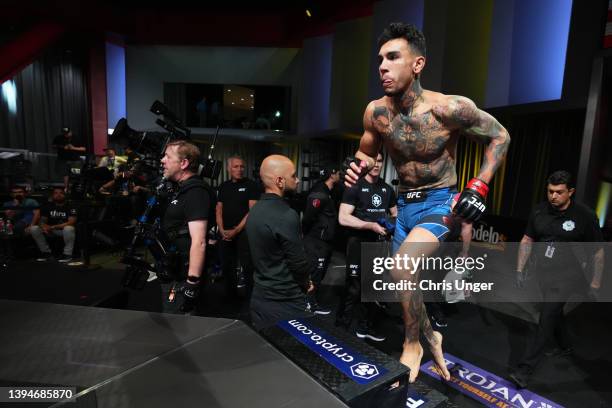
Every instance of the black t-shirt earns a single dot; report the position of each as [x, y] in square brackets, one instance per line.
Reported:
[371, 201]
[192, 202]
[69, 155]
[235, 197]
[58, 214]
[577, 223]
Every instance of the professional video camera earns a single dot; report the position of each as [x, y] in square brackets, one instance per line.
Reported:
[86, 178]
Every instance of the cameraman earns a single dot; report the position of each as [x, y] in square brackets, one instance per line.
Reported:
[186, 218]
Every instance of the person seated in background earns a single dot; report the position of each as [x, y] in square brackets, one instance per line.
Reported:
[129, 191]
[111, 161]
[21, 211]
[57, 218]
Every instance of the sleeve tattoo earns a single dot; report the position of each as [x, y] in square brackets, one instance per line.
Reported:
[482, 127]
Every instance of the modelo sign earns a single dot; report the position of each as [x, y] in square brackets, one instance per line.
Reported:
[494, 231]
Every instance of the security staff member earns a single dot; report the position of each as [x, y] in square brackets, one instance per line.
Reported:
[363, 204]
[559, 271]
[186, 218]
[319, 226]
[282, 269]
[236, 196]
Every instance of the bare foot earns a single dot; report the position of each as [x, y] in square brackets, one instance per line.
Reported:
[411, 357]
[438, 356]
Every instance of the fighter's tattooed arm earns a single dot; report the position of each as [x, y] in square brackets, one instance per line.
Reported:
[371, 141]
[463, 115]
[524, 252]
[598, 265]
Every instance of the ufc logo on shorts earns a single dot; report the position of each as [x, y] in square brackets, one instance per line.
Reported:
[413, 194]
[479, 206]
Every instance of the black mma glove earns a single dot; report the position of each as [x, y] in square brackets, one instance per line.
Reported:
[471, 204]
[346, 165]
[191, 293]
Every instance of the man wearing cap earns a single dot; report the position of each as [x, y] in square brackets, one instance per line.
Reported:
[67, 154]
[319, 227]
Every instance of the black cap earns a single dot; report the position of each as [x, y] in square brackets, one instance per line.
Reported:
[327, 171]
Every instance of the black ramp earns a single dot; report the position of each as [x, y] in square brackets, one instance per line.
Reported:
[323, 362]
[119, 358]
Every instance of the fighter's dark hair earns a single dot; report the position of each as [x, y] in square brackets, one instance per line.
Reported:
[561, 177]
[409, 32]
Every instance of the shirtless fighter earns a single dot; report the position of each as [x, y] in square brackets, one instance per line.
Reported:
[419, 130]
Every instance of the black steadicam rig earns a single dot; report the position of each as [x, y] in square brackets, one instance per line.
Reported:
[167, 263]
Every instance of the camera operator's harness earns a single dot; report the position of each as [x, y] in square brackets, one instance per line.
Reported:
[167, 259]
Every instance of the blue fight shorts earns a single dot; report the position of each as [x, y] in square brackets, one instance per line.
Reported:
[428, 209]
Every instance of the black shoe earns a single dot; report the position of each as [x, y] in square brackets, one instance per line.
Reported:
[65, 259]
[520, 377]
[558, 352]
[439, 319]
[369, 333]
[315, 308]
[241, 281]
[44, 257]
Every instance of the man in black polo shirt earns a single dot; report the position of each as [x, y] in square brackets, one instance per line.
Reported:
[236, 196]
[282, 269]
[559, 271]
[319, 226]
[185, 222]
[363, 205]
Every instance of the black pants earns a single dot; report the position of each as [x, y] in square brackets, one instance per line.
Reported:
[350, 300]
[231, 252]
[551, 324]
[320, 253]
[267, 312]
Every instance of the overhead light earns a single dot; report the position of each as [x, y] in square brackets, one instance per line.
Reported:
[242, 99]
[251, 95]
[308, 13]
[9, 94]
[277, 114]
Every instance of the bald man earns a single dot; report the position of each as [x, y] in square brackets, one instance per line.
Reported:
[282, 268]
